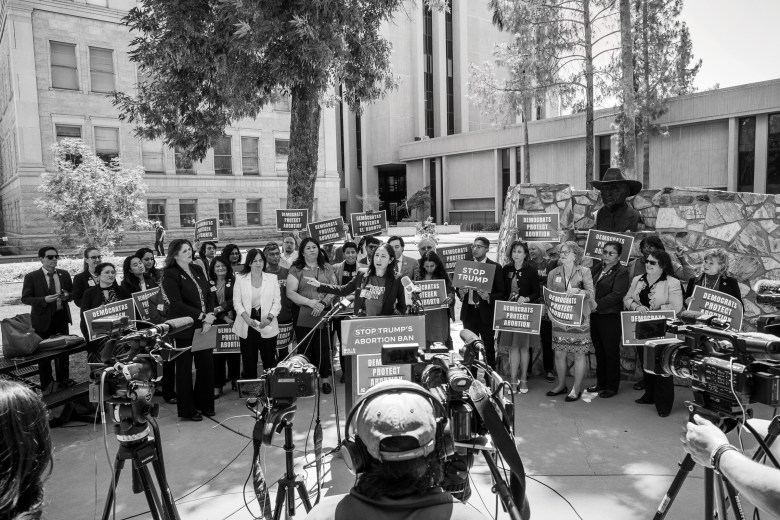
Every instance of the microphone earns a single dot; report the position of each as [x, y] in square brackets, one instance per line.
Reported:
[703, 318]
[338, 307]
[469, 337]
[472, 346]
[173, 326]
[409, 285]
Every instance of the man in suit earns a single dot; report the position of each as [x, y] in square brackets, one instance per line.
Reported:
[476, 313]
[48, 290]
[405, 266]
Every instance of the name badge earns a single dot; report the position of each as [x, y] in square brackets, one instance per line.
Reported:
[91, 282]
[557, 279]
[213, 289]
[160, 307]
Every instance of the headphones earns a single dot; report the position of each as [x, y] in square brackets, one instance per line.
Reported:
[356, 454]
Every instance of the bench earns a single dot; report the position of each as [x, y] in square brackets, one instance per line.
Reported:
[23, 368]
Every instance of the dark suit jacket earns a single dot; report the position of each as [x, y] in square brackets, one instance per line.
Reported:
[93, 297]
[393, 300]
[80, 286]
[227, 309]
[156, 304]
[726, 285]
[34, 291]
[182, 296]
[528, 284]
[496, 293]
[611, 289]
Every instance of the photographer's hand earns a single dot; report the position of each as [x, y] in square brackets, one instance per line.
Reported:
[701, 438]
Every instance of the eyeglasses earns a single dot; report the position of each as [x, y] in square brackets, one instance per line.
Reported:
[565, 251]
[651, 262]
[52, 257]
[610, 253]
[478, 246]
[99, 257]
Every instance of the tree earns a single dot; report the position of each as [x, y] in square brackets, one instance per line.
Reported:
[573, 44]
[90, 201]
[628, 130]
[420, 201]
[205, 63]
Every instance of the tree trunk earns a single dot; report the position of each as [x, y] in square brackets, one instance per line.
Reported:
[589, 138]
[627, 86]
[646, 120]
[526, 151]
[304, 144]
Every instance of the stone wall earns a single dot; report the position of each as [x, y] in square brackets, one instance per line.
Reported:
[691, 221]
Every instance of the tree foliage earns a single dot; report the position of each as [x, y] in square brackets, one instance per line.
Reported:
[420, 201]
[91, 202]
[205, 63]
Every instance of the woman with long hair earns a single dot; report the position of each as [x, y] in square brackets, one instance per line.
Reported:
[87, 277]
[188, 294]
[150, 264]
[521, 283]
[571, 278]
[311, 264]
[232, 254]
[257, 300]
[437, 321]
[656, 289]
[106, 291]
[25, 452]
[226, 366]
[136, 279]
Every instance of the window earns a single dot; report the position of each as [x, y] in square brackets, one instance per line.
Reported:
[506, 177]
[226, 215]
[222, 157]
[450, 72]
[183, 164]
[106, 143]
[746, 153]
[605, 154]
[101, 69]
[152, 156]
[155, 210]
[282, 154]
[428, 68]
[250, 163]
[188, 212]
[282, 104]
[64, 68]
[773, 155]
[69, 132]
[254, 212]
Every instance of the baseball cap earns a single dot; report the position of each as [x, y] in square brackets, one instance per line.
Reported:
[397, 424]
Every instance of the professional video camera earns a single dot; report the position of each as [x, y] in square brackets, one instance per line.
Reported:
[480, 418]
[723, 366]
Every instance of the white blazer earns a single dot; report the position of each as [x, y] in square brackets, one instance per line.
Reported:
[270, 303]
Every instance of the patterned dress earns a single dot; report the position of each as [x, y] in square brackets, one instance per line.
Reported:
[575, 340]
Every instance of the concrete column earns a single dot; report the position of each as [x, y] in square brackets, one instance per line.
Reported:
[330, 140]
[439, 73]
[762, 144]
[419, 67]
[445, 197]
[460, 51]
[519, 152]
[514, 175]
[497, 183]
[25, 89]
[733, 154]
[439, 216]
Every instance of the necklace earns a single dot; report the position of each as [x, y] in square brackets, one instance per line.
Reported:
[705, 280]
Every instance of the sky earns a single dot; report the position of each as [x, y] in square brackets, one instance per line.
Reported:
[736, 40]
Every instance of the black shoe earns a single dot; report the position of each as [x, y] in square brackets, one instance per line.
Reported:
[217, 393]
[564, 390]
[595, 389]
[663, 414]
[234, 385]
[209, 414]
[644, 400]
[171, 400]
[326, 388]
[639, 385]
[196, 417]
[550, 378]
[606, 394]
[571, 398]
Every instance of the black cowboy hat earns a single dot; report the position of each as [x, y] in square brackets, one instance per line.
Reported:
[614, 176]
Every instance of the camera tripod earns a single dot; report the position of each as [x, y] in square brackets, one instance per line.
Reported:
[132, 432]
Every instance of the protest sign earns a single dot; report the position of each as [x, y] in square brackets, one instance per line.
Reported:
[284, 339]
[630, 319]
[450, 255]
[291, 219]
[432, 294]
[565, 310]
[328, 231]
[596, 240]
[364, 339]
[207, 230]
[110, 310]
[518, 317]
[227, 341]
[141, 301]
[474, 275]
[722, 305]
[368, 223]
[537, 227]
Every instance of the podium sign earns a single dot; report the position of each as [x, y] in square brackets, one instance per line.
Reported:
[118, 309]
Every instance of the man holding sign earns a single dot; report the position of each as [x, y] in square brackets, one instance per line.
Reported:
[479, 304]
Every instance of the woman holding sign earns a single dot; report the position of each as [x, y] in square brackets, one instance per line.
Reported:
[656, 289]
[105, 291]
[222, 280]
[714, 276]
[521, 280]
[437, 321]
[136, 279]
[571, 278]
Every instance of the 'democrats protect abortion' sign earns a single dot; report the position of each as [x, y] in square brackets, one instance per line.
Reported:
[474, 275]
[364, 339]
[630, 319]
[432, 294]
[227, 341]
[284, 339]
[141, 300]
[111, 310]
[537, 227]
[291, 219]
[565, 310]
[518, 317]
[597, 239]
[722, 305]
[328, 231]
[368, 223]
[450, 255]
[207, 230]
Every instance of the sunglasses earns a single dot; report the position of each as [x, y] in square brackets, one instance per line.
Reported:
[99, 257]
[609, 253]
[651, 262]
[52, 257]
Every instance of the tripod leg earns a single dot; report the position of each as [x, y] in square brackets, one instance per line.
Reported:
[732, 495]
[335, 393]
[152, 499]
[301, 487]
[118, 465]
[162, 480]
[709, 492]
[281, 494]
[686, 466]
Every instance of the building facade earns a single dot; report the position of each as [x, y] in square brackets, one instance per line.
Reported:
[58, 61]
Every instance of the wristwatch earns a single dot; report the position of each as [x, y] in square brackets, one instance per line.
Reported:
[270, 317]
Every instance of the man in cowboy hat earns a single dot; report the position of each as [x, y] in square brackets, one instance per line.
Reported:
[616, 215]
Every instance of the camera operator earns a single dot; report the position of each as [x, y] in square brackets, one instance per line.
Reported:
[400, 475]
[710, 448]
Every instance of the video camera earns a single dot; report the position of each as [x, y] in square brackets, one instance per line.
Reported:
[722, 364]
